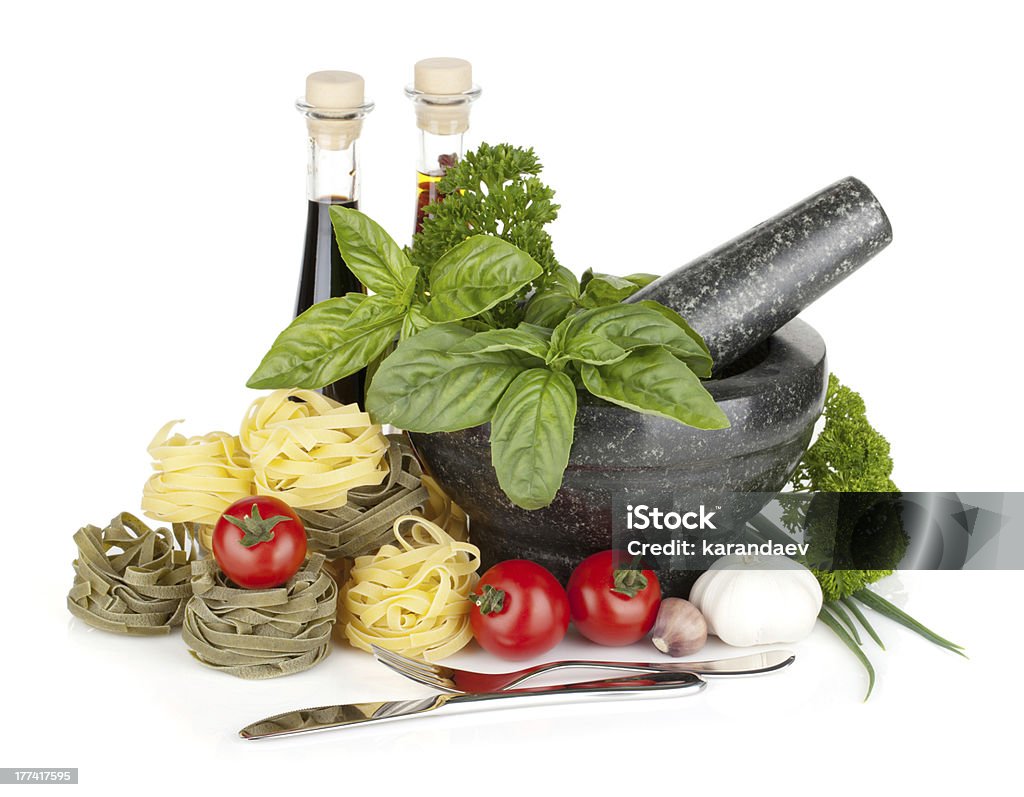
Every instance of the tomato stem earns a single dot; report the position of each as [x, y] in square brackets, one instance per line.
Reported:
[490, 600]
[255, 528]
[629, 581]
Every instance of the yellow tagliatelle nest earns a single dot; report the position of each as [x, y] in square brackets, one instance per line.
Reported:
[444, 511]
[413, 597]
[311, 451]
[196, 478]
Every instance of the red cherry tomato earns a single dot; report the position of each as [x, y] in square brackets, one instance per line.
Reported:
[520, 610]
[612, 604]
[259, 542]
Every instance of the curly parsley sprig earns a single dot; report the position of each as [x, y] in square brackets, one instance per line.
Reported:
[493, 190]
[850, 455]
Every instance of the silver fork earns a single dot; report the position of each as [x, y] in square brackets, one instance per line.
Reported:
[455, 681]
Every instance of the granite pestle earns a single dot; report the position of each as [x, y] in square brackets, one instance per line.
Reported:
[738, 294]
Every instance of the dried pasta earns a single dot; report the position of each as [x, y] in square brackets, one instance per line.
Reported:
[444, 511]
[413, 597]
[363, 525]
[311, 452]
[196, 478]
[131, 579]
[295, 445]
[260, 633]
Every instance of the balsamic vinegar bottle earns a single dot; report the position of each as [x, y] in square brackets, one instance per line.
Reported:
[442, 92]
[334, 108]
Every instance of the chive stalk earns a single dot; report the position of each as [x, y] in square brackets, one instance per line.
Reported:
[840, 631]
[885, 608]
[855, 609]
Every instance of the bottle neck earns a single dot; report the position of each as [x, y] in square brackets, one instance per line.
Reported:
[437, 153]
[332, 173]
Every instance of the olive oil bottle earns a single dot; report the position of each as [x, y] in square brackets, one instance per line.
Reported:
[442, 92]
[334, 108]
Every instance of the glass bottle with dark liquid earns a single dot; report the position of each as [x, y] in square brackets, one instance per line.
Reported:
[334, 107]
[442, 92]
[324, 273]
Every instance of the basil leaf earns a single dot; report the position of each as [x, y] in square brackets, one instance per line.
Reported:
[548, 309]
[504, 340]
[544, 333]
[632, 326]
[600, 290]
[425, 387]
[585, 347]
[678, 320]
[414, 322]
[531, 435]
[641, 278]
[605, 289]
[562, 280]
[371, 254]
[331, 340]
[653, 381]
[569, 342]
[553, 302]
[475, 275]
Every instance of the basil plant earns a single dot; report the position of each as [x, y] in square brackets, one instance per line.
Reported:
[455, 367]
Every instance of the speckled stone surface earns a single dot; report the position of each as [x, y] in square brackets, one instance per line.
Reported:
[772, 399]
[740, 293]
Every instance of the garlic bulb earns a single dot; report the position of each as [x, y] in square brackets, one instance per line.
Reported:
[758, 600]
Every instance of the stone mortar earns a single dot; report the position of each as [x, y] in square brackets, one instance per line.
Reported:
[772, 398]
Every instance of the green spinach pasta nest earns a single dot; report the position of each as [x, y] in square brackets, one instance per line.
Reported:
[131, 579]
[257, 634]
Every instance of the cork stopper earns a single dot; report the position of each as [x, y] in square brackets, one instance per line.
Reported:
[334, 107]
[443, 76]
[443, 90]
[334, 89]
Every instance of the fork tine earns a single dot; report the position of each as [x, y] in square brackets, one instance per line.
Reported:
[412, 676]
[383, 653]
[425, 673]
[404, 662]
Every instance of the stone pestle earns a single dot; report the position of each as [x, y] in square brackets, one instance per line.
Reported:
[740, 293]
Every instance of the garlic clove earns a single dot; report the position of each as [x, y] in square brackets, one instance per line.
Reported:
[679, 629]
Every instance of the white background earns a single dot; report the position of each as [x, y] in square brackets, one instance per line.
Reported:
[152, 170]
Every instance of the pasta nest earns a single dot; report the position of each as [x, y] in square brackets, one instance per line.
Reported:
[412, 597]
[309, 451]
[365, 523]
[131, 579]
[196, 478]
[260, 633]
